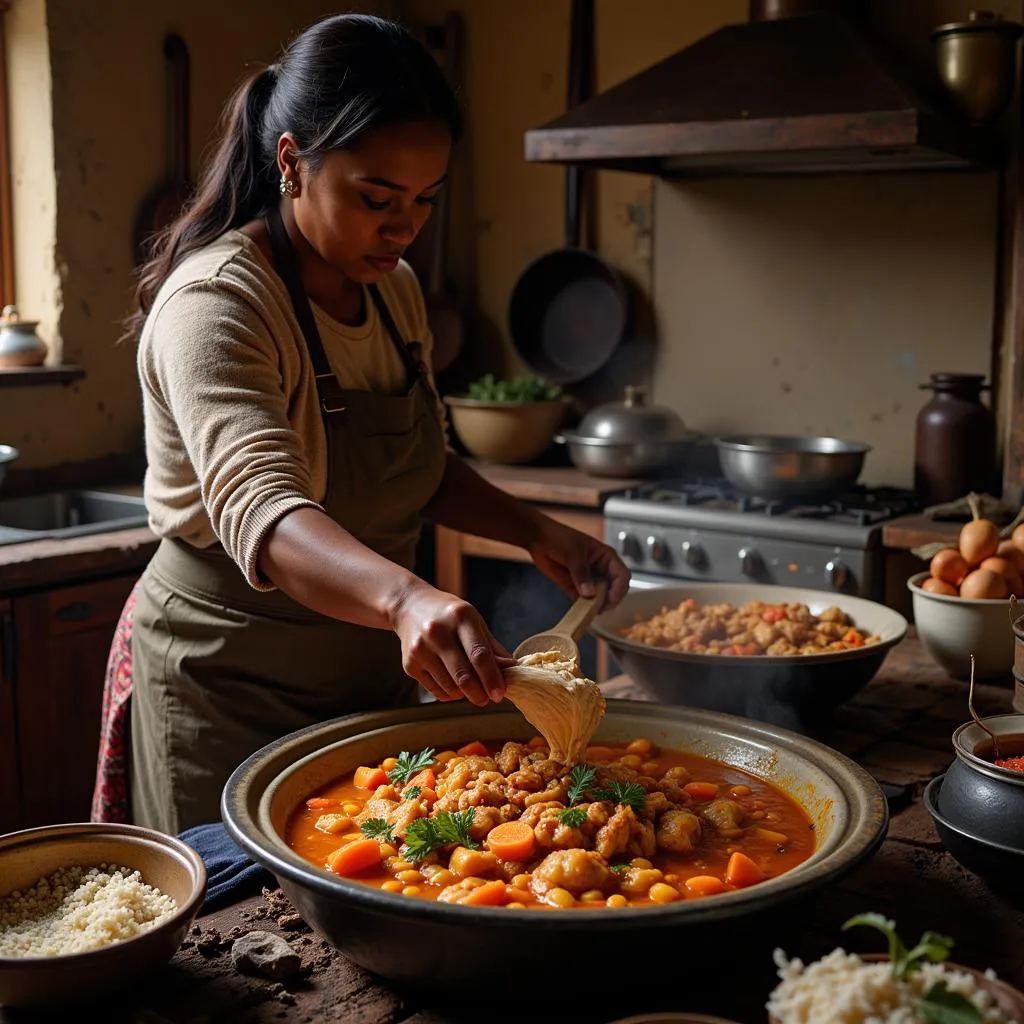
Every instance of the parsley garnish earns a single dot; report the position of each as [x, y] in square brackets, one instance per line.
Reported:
[581, 778]
[425, 835]
[629, 794]
[409, 764]
[412, 793]
[378, 828]
[938, 1005]
[572, 816]
[619, 868]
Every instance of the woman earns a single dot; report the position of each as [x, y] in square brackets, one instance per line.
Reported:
[294, 436]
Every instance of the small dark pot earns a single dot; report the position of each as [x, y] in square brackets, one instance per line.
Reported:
[977, 797]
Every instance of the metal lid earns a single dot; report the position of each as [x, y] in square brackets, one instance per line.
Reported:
[631, 420]
[979, 21]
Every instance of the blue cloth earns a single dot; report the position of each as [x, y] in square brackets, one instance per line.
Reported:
[232, 874]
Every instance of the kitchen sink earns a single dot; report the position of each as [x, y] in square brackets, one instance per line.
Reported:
[72, 513]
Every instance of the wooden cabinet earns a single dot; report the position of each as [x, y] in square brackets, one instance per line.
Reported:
[55, 647]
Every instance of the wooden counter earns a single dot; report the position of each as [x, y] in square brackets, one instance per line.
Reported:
[914, 531]
[553, 485]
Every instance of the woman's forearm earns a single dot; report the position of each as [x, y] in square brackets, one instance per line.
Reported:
[322, 566]
[466, 502]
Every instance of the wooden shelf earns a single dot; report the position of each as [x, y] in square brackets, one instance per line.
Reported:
[39, 376]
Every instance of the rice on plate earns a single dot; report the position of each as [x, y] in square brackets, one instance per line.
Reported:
[910, 987]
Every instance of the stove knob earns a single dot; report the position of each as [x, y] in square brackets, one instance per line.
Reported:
[694, 555]
[629, 547]
[836, 574]
[659, 550]
[751, 562]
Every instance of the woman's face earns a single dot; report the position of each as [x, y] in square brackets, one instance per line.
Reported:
[361, 208]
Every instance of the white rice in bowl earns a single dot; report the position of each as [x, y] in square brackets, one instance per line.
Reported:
[77, 909]
[843, 989]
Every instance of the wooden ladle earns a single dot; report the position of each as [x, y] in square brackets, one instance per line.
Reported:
[564, 635]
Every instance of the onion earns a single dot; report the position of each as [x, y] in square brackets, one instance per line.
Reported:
[949, 566]
[934, 586]
[1008, 570]
[979, 540]
[1008, 550]
[984, 585]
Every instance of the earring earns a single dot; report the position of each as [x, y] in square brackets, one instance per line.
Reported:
[288, 187]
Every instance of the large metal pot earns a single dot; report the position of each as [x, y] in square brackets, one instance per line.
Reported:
[451, 948]
[784, 468]
[629, 438]
[7, 456]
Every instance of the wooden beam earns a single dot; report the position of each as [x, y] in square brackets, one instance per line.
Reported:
[6, 215]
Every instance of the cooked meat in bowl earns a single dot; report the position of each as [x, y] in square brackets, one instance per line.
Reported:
[498, 824]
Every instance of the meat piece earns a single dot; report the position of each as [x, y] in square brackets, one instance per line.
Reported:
[794, 632]
[654, 803]
[553, 834]
[725, 815]
[376, 807]
[765, 634]
[834, 614]
[484, 819]
[574, 870]
[642, 842]
[637, 881]
[532, 815]
[613, 837]
[404, 815]
[511, 756]
[460, 771]
[678, 831]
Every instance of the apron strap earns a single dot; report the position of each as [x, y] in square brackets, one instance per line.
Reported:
[413, 366]
[328, 388]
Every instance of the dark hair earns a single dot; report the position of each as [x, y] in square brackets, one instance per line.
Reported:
[343, 77]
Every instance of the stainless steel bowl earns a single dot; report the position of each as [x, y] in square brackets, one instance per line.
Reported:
[638, 458]
[7, 456]
[788, 468]
[446, 947]
[786, 690]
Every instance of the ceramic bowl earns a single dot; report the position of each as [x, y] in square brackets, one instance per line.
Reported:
[441, 947]
[951, 629]
[505, 432]
[984, 800]
[163, 861]
[784, 690]
[1001, 866]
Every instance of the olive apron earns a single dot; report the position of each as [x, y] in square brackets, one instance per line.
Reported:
[220, 669]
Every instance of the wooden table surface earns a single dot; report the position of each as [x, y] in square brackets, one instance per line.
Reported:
[898, 728]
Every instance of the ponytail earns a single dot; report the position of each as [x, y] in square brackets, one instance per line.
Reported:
[341, 79]
[237, 186]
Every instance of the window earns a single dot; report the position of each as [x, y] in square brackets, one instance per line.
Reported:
[6, 228]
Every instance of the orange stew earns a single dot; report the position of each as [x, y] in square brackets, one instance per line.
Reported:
[501, 826]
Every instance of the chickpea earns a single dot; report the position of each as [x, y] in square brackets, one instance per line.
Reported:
[411, 890]
[522, 881]
[409, 877]
[592, 896]
[662, 893]
[650, 768]
[443, 878]
[618, 900]
[471, 883]
[391, 886]
[631, 760]
[399, 864]
[640, 746]
[388, 763]
[561, 898]
[352, 808]
[739, 791]
[640, 862]
[387, 850]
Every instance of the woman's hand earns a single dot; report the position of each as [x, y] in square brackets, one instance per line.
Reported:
[447, 647]
[573, 559]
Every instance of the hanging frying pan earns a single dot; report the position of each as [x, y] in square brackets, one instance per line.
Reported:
[568, 310]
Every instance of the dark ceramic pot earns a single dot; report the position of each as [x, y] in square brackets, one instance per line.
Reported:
[1002, 867]
[450, 948]
[977, 797]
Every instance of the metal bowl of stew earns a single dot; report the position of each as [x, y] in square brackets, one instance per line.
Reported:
[788, 690]
[452, 948]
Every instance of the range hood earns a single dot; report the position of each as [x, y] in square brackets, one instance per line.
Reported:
[798, 89]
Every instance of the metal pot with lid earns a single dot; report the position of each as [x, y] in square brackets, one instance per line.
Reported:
[19, 343]
[629, 438]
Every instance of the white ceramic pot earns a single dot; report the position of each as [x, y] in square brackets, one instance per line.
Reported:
[953, 628]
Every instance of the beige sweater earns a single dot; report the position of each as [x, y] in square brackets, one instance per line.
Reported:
[234, 434]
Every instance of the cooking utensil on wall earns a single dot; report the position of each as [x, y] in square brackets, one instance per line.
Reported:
[163, 205]
[784, 468]
[629, 438]
[443, 312]
[568, 310]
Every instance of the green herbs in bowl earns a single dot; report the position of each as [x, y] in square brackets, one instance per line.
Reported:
[507, 421]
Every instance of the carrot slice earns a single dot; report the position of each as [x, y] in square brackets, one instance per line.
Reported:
[370, 778]
[321, 803]
[354, 857]
[475, 748]
[490, 894]
[701, 790]
[741, 871]
[704, 885]
[424, 779]
[512, 840]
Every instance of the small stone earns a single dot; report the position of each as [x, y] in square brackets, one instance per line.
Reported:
[265, 954]
[291, 922]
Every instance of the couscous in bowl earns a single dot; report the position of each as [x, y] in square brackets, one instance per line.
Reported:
[116, 903]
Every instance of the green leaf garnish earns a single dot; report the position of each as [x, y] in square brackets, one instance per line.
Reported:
[409, 764]
[629, 794]
[378, 828]
[581, 778]
[412, 792]
[425, 835]
[572, 816]
[940, 1006]
[525, 388]
[619, 868]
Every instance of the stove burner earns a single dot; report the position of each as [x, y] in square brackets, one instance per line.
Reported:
[863, 506]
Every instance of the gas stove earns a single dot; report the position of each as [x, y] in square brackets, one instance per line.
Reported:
[702, 529]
